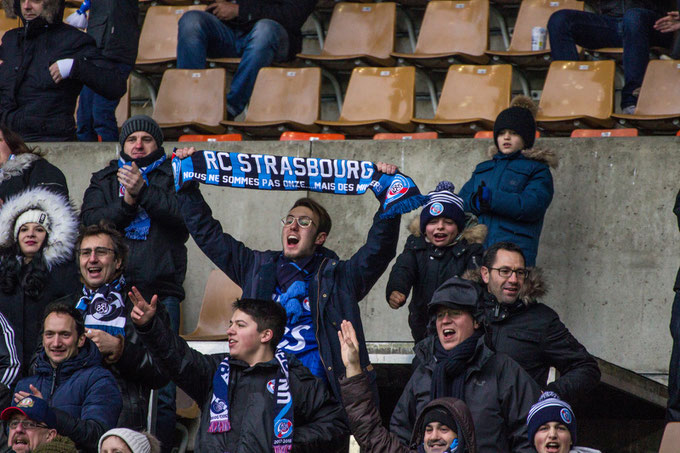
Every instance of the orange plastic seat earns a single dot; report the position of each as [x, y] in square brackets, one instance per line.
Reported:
[413, 136]
[451, 31]
[658, 106]
[377, 100]
[192, 99]
[671, 438]
[283, 99]
[306, 136]
[472, 97]
[532, 13]
[583, 133]
[489, 134]
[577, 94]
[210, 138]
[358, 33]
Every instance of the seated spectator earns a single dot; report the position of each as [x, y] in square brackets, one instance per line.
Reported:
[233, 390]
[530, 332]
[512, 191]
[440, 246]
[27, 426]
[260, 32]
[38, 229]
[552, 426]
[22, 167]
[670, 23]
[628, 24]
[123, 440]
[445, 425]
[455, 362]
[81, 398]
[45, 65]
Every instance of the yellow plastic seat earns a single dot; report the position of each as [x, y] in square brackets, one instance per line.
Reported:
[282, 99]
[377, 100]
[358, 33]
[210, 138]
[451, 31]
[577, 94]
[671, 438]
[472, 97]
[6, 23]
[123, 109]
[289, 136]
[658, 107]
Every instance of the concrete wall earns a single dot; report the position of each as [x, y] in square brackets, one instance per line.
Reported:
[609, 244]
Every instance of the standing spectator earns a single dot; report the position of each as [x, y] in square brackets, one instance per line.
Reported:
[258, 31]
[512, 191]
[22, 167]
[616, 23]
[440, 246]
[123, 440]
[673, 410]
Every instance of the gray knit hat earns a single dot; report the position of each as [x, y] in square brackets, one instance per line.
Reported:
[141, 123]
[137, 442]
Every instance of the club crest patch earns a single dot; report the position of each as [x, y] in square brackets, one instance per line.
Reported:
[270, 386]
[283, 428]
[218, 406]
[566, 416]
[436, 209]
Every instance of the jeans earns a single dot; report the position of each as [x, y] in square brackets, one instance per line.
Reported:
[166, 417]
[634, 32]
[202, 35]
[97, 115]
[673, 409]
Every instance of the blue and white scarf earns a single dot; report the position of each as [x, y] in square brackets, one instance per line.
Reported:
[104, 309]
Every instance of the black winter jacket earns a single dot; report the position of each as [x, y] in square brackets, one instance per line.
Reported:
[30, 170]
[618, 7]
[114, 26]
[498, 392]
[319, 420]
[676, 211]
[158, 264]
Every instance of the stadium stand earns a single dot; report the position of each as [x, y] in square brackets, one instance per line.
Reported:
[290, 136]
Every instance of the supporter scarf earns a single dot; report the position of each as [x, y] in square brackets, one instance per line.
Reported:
[104, 309]
[283, 420]
[293, 283]
[397, 193]
[139, 227]
[448, 378]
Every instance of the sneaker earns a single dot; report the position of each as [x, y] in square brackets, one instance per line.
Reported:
[628, 110]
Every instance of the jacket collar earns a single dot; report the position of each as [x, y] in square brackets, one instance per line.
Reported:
[88, 356]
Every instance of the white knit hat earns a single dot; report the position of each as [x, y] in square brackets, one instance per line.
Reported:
[137, 442]
[33, 216]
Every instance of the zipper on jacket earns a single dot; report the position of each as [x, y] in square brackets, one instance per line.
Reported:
[54, 383]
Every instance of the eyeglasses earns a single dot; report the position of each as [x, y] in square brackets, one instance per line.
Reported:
[25, 424]
[100, 252]
[303, 221]
[506, 272]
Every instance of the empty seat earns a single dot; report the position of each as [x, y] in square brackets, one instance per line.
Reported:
[282, 99]
[210, 138]
[577, 94]
[413, 136]
[671, 438]
[658, 106]
[192, 99]
[471, 99]
[307, 136]
[377, 100]
[358, 33]
[584, 133]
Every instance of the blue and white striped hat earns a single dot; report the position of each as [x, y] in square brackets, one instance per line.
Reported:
[550, 408]
[443, 202]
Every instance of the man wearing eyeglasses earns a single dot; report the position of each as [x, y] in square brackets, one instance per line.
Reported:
[27, 429]
[528, 331]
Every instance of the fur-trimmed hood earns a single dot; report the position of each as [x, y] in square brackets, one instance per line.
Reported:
[17, 166]
[63, 216]
[537, 153]
[534, 286]
[474, 233]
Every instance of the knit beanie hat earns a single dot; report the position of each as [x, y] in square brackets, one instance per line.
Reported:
[519, 117]
[439, 414]
[142, 123]
[59, 444]
[137, 442]
[550, 408]
[443, 202]
[33, 216]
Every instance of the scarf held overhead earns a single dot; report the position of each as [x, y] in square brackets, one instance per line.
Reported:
[397, 193]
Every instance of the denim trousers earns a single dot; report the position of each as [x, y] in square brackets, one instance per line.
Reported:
[201, 35]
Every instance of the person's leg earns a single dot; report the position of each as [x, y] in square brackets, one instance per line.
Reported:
[199, 35]
[166, 416]
[104, 111]
[85, 131]
[569, 28]
[267, 42]
[673, 408]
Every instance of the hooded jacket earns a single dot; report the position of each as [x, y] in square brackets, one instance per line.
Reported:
[366, 425]
[30, 170]
[81, 393]
[31, 103]
[424, 267]
[676, 211]
[521, 190]
[498, 393]
[532, 334]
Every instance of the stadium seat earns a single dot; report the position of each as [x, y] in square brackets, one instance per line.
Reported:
[377, 100]
[489, 134]
[577, 94]
[451, 31]
[306, 136]
[532, 13]
[283, 99]
[671, 438]
[358, 33]
[6, 23]
[215, 313]
[658, 107]
[158, 38]
[472, 97]
[210, 138]
[584, 133]
[123, 109]
[193, 99]
[413, 136]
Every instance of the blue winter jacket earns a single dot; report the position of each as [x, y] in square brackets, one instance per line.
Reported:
[83, 395]
[334, 291]
[521, 190]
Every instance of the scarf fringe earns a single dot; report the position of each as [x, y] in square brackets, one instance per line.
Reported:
[221, 426]
[404, 206]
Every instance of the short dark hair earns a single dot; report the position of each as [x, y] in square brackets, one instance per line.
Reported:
[490, 254]
[267, 314]
[66, 309]
[120, 248]
[314, 206]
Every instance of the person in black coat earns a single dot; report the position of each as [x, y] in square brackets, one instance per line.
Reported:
[673, 409]
[45, 65]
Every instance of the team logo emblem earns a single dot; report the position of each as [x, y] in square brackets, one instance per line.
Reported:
[270, 386]
[105, 311]
[176, 169]
[283, 428]
[305, 303]
[218, 406]
[26, 402]
[566, 416]
[436, 209]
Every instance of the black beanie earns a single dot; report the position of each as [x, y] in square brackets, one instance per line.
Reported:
[439, 414]
[518, 119]
[443, 202]
[141, 123]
